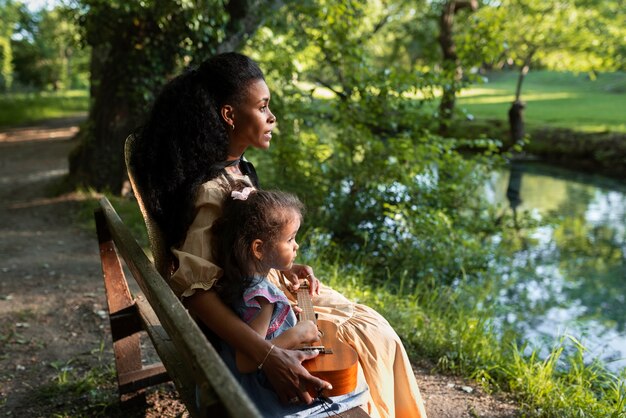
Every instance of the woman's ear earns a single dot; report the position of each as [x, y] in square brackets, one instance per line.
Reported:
[257, 249]
[228, 114]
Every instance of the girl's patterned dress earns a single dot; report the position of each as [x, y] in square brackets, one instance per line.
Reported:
[256, 384]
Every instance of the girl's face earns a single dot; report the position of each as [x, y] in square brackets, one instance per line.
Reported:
[252, 119]
[282, 252]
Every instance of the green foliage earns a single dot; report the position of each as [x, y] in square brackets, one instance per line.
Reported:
[9, 15]
[353, 140]
[565, 35]
[46, 54]
[148, 41]
[6, 69]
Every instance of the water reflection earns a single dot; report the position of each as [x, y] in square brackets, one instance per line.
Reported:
[568, 276]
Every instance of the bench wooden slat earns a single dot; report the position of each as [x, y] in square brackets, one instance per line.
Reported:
[204, 366]
[179, 370]
[126, 348]
[147, 376]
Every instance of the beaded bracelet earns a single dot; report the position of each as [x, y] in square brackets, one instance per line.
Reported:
[266, 356]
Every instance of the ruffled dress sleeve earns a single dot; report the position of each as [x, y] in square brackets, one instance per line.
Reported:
[196, 265]
[283, 316]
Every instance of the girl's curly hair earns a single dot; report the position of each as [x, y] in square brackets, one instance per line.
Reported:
[184, 138]
[261, 216]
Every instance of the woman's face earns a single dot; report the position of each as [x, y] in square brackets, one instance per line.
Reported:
[252, 119]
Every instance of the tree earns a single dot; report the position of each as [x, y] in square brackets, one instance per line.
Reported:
[9, 16]
[46, 51]
[564, 35]
[451, 63]
[136, 45]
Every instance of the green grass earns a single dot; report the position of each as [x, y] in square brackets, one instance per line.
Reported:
[23, 108]
[126, 207]
[553, 99]
[448, 327]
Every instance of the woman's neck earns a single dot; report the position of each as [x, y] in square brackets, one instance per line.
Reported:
[235, 150]
[234, 169]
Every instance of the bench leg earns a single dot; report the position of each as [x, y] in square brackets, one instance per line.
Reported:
[132, 377]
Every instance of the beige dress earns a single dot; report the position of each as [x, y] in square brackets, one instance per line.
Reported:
[388, 372]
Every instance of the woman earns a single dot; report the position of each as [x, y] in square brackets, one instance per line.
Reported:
[187, 154]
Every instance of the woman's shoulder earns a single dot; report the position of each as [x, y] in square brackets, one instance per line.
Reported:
[214, 190]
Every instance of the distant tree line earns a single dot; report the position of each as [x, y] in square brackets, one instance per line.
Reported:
[40, 49]
[382, 53]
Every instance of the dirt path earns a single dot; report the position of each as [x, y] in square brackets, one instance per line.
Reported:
[53, 323]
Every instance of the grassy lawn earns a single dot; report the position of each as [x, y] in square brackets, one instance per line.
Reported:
[21, 108]
[554, 99]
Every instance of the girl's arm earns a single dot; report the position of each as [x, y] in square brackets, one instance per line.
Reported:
[303, 332]
[282, 367]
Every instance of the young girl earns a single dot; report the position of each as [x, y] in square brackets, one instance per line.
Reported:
[257, 232]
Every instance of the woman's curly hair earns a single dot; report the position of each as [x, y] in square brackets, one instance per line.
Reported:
[261, 216]
[184, 138]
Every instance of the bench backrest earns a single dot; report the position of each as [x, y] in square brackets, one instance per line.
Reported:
[217, 388]
[161, 255]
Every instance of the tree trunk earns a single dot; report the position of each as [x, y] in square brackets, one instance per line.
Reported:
[451, 65]
[98, 160]
[516, 111]
[244, 20]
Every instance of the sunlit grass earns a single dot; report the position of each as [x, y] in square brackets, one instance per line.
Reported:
[475, 96]
[553, 99]
[453, 327]
[22, 108]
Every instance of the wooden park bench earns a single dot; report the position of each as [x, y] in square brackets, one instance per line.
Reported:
[204, 383]
[187, 357]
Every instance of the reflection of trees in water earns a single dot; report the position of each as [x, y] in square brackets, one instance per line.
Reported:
[593, 261]
[513, 189]
[582, 263]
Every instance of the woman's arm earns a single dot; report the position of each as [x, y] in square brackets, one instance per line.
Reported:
[282, 367]
[302, 333]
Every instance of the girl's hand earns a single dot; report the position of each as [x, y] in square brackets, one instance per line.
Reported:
[306, 332]
[301, 272]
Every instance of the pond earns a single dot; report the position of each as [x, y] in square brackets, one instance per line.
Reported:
[567, 276]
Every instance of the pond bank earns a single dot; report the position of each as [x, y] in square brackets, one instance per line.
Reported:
[600, 153]
[590, 152]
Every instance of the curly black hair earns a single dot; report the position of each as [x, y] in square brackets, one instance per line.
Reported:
[184, 138]
[261, 216]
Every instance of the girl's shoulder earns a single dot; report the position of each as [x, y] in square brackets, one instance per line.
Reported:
[261, 287]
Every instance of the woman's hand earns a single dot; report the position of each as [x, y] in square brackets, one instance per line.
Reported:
[289, 378]
[301, 272]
